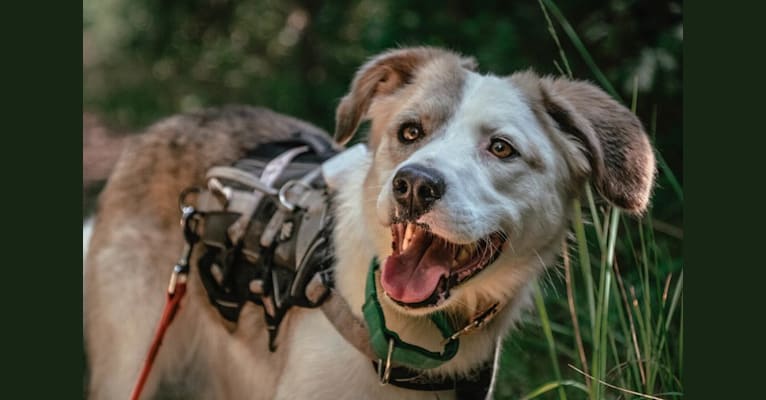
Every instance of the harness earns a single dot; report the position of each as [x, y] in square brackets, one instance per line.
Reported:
[263, 244]
[261, 232]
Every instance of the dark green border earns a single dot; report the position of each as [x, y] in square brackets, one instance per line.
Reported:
[724, 179]
[42, 280]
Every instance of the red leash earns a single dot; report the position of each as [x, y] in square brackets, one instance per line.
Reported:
[176, 291]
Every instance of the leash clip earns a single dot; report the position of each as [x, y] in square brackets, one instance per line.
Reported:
[177, 277]
[189, 224]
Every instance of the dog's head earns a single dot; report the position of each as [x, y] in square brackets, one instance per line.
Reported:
[473, 175]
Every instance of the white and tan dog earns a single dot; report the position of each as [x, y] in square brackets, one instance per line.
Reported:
[464, 197]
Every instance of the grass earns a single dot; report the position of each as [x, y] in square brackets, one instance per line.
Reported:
[617, 333]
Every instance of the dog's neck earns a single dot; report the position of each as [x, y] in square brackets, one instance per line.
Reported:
[358, 238]
[353, 243]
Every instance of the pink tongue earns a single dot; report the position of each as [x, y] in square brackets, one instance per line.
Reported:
[413, 275]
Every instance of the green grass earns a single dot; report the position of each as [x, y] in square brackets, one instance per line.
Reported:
[612, 329]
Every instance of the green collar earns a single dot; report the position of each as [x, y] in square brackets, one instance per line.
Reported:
[384, 341]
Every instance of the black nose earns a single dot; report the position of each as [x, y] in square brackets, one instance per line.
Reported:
[416, 188]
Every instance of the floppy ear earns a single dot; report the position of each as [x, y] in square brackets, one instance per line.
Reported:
[383, 75]
[618, 150]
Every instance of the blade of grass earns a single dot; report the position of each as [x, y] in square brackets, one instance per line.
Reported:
[668, 318]
[616, 358]
[646, 396]
[633, 335]
[573, 310]
[554, 385]
[674, 302]
[555, 36]
[580, 47]
[660, 334]
[584, 255]
[666, 171]
[670, 176]
[602, 311]
[594, 215]
[549, 337]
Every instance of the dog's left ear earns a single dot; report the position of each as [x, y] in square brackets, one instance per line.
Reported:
[621, 159]
[383, 75]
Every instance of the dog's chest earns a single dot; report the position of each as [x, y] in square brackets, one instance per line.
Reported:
[321, 364]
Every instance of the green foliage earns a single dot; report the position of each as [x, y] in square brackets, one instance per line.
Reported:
[146, 59]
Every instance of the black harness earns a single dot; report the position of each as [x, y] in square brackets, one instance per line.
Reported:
[268, 265]
[252, 245]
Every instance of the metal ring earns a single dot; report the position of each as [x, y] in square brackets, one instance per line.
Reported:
[387, 369]
[283, 192]
[182, 204]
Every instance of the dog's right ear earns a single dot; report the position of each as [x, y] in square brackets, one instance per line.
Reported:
[383, 75]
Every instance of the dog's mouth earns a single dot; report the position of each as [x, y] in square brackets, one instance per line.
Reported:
[424, 267]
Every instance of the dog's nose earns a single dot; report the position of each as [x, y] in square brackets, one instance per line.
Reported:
[416, 188]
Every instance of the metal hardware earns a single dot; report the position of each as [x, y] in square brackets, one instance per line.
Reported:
[385, 374]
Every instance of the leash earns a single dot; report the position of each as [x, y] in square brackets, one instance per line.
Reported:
[172, 305]
[175, 293]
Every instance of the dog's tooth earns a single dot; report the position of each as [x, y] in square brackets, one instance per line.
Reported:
[408, 232]
[406, 239]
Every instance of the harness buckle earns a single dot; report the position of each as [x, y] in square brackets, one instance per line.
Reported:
[283, 191]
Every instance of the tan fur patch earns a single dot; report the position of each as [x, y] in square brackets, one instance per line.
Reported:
[384, 75]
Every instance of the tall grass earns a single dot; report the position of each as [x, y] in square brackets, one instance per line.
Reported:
[617, 333]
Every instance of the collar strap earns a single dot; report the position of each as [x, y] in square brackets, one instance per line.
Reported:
[473, 386]
[387, 344]
[356, 333]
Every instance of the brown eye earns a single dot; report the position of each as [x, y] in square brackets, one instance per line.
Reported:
[410, 132]
[501, 149]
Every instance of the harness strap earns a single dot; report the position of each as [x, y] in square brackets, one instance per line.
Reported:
[338, 312]
[269, 175]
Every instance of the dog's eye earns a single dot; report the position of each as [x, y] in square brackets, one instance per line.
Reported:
[410, 132]
[501, 149]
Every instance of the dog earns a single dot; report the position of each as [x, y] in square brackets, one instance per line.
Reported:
[468, 179]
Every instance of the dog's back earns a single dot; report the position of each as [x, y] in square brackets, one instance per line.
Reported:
[135, 240]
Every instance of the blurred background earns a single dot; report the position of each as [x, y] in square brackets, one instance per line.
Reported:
[146, 59]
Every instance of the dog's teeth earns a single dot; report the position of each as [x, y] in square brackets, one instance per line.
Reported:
[409, 230]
